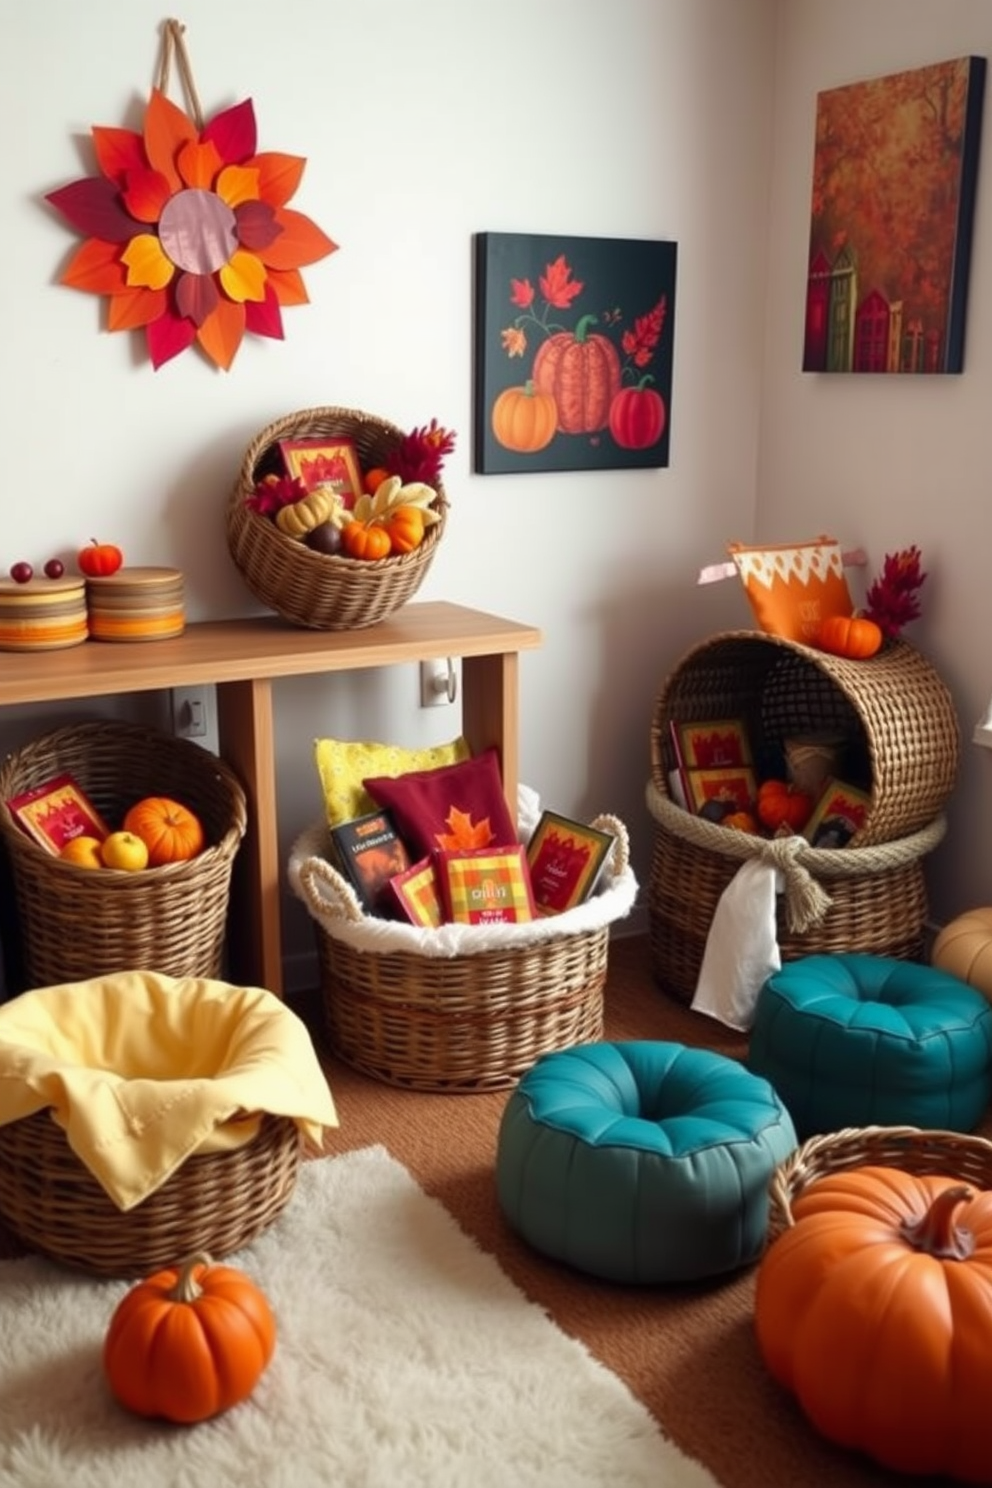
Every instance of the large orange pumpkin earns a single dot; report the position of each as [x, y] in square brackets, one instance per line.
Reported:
[189, 1342]
[524, 419]
[581, 371]
[170, 831]
[875, 1310]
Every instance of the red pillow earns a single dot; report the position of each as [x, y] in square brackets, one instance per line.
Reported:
[448, 808]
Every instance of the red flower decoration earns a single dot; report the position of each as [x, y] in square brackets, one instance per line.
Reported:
[188, 232]
[893, 599]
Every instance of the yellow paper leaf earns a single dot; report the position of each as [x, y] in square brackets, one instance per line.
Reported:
[237, 184]
[147, 264]
[243, 277]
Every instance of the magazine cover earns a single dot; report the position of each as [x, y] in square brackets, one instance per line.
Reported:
[56, 812]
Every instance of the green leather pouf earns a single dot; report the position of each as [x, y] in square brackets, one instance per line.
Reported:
[859, 1040]
[641, 1162]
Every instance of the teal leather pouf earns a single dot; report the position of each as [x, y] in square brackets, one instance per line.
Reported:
[858, 1040]
[641, 1162]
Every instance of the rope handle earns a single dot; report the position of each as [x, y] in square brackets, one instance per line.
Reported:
[173, 45]
[327, 893]
[618, 857]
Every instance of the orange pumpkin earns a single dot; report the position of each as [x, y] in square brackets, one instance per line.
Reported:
[875, 1311]
[188, 1342]
[524, 419]
[405, 526]
[740, 821]
[854, 636]
[170, 831]
[581, 371]
[365, 540]
[781, 804]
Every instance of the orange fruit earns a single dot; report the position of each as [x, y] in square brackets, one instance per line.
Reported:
[124, 850]
[83, 851]
[373, 479]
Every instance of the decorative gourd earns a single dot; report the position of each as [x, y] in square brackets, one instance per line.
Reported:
[301, 517]
[524, 419]
[171, 832]
[99, 560]
[781, 804]
[854, 636]
[405, 527]
[366, 540]
[740, 821]
[189, 1342]
[581, 371]
[875, 1310]
[638, 416]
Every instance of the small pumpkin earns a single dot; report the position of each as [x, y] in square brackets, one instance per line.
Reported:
[875, 1311]
[740, 821]
[854, 636]
[171, 831]
[638, 416]
[366, 540]
[189, 1342]
[99, 560]
[781, 804]
[524, 419]
[301, 517]
[405, 526]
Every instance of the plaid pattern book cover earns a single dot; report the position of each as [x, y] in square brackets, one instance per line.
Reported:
[486, 885]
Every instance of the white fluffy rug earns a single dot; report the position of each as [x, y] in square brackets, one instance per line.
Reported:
[405, 1357]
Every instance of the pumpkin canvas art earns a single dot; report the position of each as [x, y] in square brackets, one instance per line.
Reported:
[573, 352]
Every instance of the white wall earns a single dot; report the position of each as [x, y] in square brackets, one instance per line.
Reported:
[422, 124]
[885, 462]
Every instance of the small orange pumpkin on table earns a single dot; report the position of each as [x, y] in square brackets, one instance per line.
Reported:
[171, 831]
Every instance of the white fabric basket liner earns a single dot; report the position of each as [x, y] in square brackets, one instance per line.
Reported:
[335, 906]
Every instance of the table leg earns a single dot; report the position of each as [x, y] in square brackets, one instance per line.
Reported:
[491, 713]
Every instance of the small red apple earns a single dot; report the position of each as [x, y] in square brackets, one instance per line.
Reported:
[21, 573]
[54, 568]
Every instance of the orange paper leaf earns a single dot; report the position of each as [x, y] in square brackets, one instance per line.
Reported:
[300, 242]
[221, 333]
[134, 307]
[97, 268]
[278, 176]
[167, 129]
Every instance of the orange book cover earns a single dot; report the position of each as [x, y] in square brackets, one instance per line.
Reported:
[486, 885]
[56, 812]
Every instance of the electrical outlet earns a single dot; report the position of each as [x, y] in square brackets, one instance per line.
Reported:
[438, 683]
[190, 712]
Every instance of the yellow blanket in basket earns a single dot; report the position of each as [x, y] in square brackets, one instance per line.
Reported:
[141, 1070]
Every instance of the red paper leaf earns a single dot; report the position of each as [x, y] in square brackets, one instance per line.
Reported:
[288, 287]
[234, 133]
[118, 151]
[196, 296]
[278, 175]
[167, 337]
[146, 193]
[167, 129]
[97, 268]
[135, 307]
[93, 207]
[300, 242]
[265, 318]
[257, 225]
[221, 333]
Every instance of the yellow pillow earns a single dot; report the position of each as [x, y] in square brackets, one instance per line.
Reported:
[791, 587]
[343, 764]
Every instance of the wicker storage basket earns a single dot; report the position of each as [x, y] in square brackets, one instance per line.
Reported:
[909, 1148]
[877, 895]
[432, 1012]
[894, 711]
[215, 1201]
[76, 923]
[318, 590]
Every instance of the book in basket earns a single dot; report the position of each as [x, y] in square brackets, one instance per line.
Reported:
[486, 885]
[566, 860]
[369, 853]
[56, 812]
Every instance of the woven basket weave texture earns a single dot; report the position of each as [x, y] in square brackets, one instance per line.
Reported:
[322, 591]
[214, 1202]
[76, 923]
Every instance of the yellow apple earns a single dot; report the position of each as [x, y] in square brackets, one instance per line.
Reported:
[83, 851]
[124, 850]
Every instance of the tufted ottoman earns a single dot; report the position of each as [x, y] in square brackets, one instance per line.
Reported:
[858, 1040]
[641, 1162]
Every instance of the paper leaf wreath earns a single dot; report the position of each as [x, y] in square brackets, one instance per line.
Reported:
[188, 231]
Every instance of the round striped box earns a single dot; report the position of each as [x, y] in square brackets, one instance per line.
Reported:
[136, 604]
[43, 614]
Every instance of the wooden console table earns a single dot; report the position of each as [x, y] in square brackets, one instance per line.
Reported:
[241, 659]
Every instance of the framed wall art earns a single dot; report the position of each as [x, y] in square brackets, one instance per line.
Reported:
[573, 352]
[893, 202]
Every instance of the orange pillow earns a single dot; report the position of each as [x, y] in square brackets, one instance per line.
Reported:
[791, 587]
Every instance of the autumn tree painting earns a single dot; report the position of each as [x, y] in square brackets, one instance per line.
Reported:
[894, 173]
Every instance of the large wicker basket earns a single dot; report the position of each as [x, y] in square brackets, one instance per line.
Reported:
[76, 923]
[909, 1148]
[473, 1020]
[215, 1202]
[317, 590]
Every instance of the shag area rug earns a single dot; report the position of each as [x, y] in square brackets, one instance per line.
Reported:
[405, 1357]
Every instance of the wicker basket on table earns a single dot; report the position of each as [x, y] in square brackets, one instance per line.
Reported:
[464, 1022]
[902, 747]
[911, 1149]
[76, 923]
[214, 1202]
[318, 590]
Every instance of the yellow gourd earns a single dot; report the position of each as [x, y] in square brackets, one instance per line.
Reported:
[302, 516]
